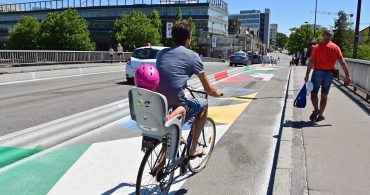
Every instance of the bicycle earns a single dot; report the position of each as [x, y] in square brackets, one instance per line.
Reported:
[161, 143]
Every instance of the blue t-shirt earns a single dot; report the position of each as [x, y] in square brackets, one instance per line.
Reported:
[176, 65]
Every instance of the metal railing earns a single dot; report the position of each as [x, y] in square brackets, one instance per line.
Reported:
[360, 74]
[40, 57]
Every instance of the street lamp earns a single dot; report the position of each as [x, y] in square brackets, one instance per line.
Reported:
[314, 26]
[210, 54]
[357, 29]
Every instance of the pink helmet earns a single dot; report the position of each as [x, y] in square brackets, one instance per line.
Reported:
[147, 77]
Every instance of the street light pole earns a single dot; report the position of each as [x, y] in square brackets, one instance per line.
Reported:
[210, 54]
[357, 29]
[314, 26]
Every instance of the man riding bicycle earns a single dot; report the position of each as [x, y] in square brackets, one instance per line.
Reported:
[176, 65]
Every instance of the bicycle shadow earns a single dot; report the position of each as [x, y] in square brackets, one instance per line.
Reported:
[303, 124]
[178, 179]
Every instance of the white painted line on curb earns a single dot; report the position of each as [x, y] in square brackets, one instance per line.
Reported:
[60, 77]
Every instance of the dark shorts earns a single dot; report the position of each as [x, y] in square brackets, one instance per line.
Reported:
[322, 78]
[194, 107]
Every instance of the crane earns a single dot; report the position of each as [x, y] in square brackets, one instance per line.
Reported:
[351, 14]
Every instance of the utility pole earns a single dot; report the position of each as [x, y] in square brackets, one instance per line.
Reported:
[357, 29]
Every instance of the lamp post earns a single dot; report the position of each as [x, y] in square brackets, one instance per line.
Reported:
[314, 26]
[210, 54]
[357, 29]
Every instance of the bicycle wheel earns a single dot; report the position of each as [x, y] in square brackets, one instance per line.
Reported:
[206, 141]
[151, 177]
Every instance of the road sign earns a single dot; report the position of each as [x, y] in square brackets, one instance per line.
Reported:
[169, 30]
[214, 41]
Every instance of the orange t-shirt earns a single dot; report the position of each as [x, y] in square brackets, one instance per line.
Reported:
[325, 55]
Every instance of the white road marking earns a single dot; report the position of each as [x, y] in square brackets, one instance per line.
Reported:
[111, 167]
[60, 77]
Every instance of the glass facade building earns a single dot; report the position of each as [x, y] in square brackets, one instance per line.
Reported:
[210, 16]
[255, 19]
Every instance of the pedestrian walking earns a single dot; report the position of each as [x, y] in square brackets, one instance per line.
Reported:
[323, 59]
[111, 53]
[120, 52]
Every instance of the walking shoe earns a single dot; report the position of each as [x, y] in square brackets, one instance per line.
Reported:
[320, 118]
[314, 115]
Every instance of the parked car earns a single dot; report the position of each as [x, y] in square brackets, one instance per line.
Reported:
[266, 59]
[239, 57]
[256, 59]
[142, 55]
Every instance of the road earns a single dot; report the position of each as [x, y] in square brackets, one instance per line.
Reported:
[105, 161]
[28, 104]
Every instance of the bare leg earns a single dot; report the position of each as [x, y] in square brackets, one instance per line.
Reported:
[315, 101]
[323, 101]
[198, 126]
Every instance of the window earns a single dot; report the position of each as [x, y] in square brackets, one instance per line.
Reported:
[145, 53]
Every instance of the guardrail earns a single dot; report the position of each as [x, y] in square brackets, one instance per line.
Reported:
[360, 74]
[40, 57]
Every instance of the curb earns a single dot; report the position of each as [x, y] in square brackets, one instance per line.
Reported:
[282, 178]
[24, 143]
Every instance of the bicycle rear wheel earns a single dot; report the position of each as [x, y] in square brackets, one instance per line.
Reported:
[206, 141]
[151, 177]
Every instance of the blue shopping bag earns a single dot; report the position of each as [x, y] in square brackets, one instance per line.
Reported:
[300, 101]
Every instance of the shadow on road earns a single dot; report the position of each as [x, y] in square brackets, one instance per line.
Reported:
[121, 185]
[123, 83]
[303, 124]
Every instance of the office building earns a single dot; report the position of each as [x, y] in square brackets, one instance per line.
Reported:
[273, 32]
[255, 19]
[210, 16]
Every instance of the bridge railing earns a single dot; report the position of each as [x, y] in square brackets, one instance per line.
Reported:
[40, 57]
[360, 74]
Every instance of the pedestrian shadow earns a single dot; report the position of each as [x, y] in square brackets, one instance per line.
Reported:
[303, 124]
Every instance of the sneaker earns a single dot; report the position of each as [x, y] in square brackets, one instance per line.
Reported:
[320, 118]
[314, 115]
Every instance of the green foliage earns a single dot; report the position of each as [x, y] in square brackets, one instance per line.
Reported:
[363, 52]
[343, 33]
[134, 30]
[24, 35]
[156, 21]
[194, 42]
[65, 31]
[281, 40]
[178, 15]
[299, 39]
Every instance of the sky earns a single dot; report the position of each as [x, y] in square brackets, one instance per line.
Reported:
[291, 13]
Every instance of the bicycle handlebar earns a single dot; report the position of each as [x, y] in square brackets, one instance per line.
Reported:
[191, 90]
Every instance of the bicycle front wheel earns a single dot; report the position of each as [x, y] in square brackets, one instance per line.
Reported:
[152, 177]
[206, 141]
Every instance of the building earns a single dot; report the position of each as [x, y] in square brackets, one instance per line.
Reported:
[210, 16]
[273, 32]
[364, 35]
[255, 19]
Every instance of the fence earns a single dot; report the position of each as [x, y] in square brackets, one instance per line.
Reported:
[17, 57]
[360, 74]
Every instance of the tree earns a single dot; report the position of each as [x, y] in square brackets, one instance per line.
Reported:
[156, 21]
[178, 15]
[135, 29]
[281, 40]
[301, 38]
[194, 43]
[343, 34]
[24, 35]
[364, 52]
[65, 31]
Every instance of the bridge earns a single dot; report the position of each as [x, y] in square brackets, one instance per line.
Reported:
[65, 129]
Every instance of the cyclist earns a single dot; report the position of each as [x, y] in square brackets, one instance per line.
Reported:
[176, 65]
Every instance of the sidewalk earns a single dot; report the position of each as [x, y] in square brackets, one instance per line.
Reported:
[331, 156]
[21, 69]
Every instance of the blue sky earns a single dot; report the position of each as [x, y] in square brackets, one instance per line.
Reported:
[291, 13]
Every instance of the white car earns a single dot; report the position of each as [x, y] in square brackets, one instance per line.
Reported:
[142, 55]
